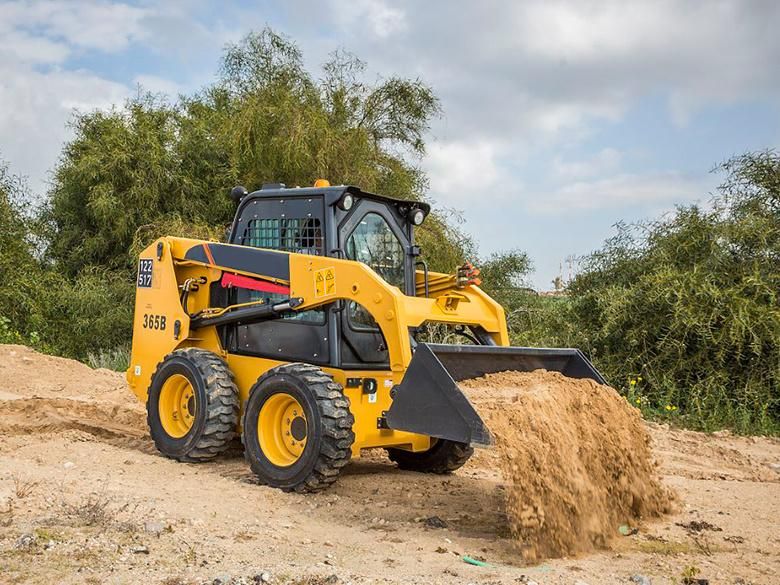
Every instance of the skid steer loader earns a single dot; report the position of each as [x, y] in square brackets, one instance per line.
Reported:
[301, 335]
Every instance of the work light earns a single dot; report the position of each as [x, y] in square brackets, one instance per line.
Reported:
[346, 202]
[417, 216]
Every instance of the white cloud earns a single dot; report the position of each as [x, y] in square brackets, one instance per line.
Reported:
[38, 94]
[620, 191]
[456, 169]
[78, 23]
[34, 110]
[382, 19]
[540, 70]
[605, 161]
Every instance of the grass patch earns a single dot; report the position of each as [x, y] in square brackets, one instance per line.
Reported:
[23, 487]
[117, 359]
[98, 510]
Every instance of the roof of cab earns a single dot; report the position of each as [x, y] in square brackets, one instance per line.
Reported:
[332, 194]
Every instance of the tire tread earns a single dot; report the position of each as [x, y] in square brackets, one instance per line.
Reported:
[443, 458]
[337, 420]
[222, 404]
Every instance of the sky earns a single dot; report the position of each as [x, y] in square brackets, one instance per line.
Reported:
[560, 118]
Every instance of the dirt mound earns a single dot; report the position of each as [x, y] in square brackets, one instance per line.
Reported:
[576, 458]
[42, 415]
[41, 393]
[25, 372]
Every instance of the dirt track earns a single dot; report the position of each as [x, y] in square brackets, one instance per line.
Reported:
[81, 489]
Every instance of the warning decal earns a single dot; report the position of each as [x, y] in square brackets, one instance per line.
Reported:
[325, 282]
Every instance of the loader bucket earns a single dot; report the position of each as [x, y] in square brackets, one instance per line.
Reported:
[428, 400]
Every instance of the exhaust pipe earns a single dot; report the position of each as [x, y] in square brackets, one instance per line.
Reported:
[428, 400]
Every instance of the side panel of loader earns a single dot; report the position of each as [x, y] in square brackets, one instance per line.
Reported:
[160, 323]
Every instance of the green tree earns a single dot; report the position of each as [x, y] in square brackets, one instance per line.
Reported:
[19, 271]
[150, 166]
[689, 304]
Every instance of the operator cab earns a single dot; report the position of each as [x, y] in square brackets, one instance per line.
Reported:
[337, 221]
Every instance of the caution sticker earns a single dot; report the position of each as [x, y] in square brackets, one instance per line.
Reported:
[324, 282]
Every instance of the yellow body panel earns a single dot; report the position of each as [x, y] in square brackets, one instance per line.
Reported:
[318, 280]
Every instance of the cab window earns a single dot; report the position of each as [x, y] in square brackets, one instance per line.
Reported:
[374, 243]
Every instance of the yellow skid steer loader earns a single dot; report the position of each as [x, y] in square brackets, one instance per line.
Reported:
[301, 335]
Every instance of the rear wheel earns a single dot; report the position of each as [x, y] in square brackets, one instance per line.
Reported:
[192, 407]
[297, 428]
[444, 456]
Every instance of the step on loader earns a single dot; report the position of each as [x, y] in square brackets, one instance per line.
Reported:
[302, 335]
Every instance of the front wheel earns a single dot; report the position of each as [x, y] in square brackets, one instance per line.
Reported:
[192, 407]
[444, 456]
[297, 428]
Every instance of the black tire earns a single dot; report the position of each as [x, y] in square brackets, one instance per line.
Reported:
[328, 428]
[443, 457]
[213, 427]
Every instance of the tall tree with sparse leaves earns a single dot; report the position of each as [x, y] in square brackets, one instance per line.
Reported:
[151, 167]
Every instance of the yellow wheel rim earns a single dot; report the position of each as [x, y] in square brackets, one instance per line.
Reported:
[177, 406]
[282, 429]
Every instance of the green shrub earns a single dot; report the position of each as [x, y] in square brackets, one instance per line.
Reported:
[683, 312]
[88, 314]
[20, 273]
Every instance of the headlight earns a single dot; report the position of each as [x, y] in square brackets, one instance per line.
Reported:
[346, 202]
[417, 216]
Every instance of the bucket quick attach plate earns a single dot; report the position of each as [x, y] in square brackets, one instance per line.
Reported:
[428, 400]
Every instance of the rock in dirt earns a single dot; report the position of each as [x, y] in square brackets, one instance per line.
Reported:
[139, 549]
[154, 528]
[641, 580]
[25, 541]
[696, 526]
[576, 458]
[435, 522]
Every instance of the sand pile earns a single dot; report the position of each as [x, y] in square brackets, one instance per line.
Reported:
[41, 393]
[576, 458]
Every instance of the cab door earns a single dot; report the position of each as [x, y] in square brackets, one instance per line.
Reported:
[373, 235]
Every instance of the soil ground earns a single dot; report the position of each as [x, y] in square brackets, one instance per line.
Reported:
[85, 498]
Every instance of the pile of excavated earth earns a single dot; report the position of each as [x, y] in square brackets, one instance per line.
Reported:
[43, 394]
[576, 457]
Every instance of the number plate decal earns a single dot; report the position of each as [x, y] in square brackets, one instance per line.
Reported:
[145, 273]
